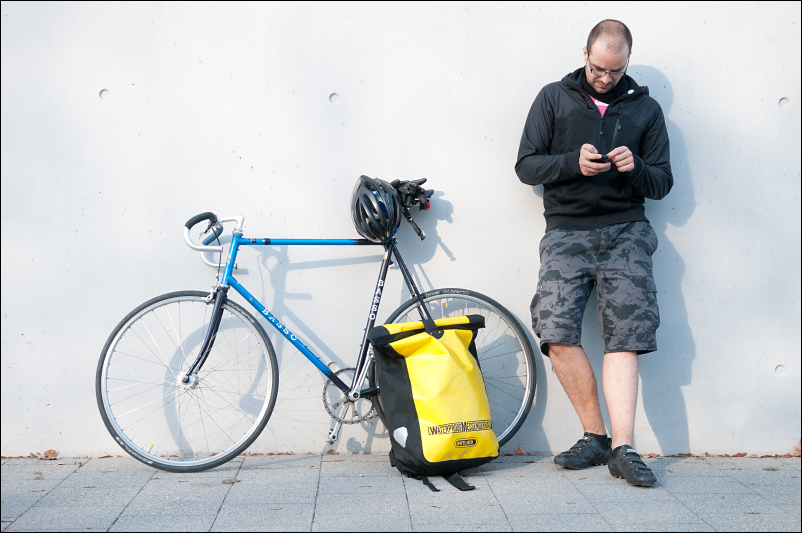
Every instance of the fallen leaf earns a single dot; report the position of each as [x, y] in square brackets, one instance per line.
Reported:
[230, 480]
[51, 454]
[520, 451]
[105, 456]
[332, 452]
[742, 454]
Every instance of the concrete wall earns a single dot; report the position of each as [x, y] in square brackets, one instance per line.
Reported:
[122, 120]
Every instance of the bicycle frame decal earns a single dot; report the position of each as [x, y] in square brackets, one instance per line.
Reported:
[289, 335]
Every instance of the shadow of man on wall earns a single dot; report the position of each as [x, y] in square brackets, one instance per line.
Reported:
[665, 372]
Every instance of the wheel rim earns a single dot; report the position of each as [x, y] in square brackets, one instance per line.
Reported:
[160, 420]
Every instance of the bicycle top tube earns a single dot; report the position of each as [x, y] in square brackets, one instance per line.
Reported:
[244, 241]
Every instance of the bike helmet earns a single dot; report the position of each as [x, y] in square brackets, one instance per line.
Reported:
[375, 209]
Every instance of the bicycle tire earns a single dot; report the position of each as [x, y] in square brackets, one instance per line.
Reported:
[503, 349]
[179, 427]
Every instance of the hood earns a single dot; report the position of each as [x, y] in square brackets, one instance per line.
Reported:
[573, 80]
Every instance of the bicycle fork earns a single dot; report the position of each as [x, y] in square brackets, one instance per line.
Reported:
[190, 378]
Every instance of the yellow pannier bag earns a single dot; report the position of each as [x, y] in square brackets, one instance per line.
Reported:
[433, 397]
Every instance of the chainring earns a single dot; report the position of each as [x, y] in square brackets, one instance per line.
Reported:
[340, 407]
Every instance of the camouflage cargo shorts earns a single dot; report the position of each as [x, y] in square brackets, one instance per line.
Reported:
[617, 261]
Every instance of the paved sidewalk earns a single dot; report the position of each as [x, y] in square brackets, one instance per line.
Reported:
[362, 492]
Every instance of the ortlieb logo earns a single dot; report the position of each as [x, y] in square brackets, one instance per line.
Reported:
[465, 443]
[460, 427]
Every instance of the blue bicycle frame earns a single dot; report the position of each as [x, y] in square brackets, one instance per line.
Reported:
[228, 281]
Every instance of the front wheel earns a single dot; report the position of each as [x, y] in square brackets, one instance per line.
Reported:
[503, 349]
[186, 427]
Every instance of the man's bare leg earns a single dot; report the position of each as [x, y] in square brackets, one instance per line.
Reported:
[573, 369]
[620, 384]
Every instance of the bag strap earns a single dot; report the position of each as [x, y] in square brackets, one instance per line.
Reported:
[379, 335]
[425, 481]
[431, 328]
[456, 480]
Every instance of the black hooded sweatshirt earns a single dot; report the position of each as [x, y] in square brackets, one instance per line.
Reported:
[562, 119]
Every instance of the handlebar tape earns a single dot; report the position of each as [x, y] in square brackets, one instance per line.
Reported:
[211, 217]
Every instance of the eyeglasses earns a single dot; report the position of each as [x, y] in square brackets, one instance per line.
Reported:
[597, 72]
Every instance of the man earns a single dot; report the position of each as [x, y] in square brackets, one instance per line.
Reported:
[598, 144]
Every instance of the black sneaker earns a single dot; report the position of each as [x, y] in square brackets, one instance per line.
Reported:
[586, 452]
[626, 463]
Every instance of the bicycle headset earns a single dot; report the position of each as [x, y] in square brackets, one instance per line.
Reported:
[375, 209]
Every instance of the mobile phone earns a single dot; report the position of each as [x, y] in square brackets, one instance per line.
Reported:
[604, 159]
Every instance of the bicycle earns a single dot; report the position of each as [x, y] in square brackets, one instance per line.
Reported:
[188, 380]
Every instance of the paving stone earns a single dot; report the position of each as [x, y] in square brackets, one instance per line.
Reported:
[647, 514]
[68, 517]
[769, 520]
[274, 517]
[558, 522]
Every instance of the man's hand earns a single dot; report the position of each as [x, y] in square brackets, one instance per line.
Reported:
[589, 163]
[622, 158]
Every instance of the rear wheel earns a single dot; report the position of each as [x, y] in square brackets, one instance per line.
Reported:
[186, 427]
[505, 354]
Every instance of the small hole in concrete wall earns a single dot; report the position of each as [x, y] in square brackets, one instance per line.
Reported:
[779, 370]
[103, 94]
[784, 102]
[334, 98]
